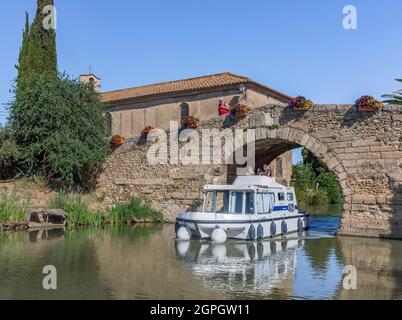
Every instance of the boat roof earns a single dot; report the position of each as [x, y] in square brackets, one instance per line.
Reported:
[257, 181]
[249, 183]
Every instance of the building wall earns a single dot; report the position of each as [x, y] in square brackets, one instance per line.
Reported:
[282, 168]
[129, 120]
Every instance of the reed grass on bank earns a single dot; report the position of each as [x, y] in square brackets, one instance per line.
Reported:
[80, 213]
[12, 208]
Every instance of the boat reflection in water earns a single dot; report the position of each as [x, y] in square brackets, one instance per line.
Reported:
[241, 269]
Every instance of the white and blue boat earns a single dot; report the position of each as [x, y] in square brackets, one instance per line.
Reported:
[253, 208]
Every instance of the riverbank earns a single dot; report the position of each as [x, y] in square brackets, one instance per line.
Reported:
[83, 209]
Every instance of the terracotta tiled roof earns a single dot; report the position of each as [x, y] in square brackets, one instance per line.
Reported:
[180, 86]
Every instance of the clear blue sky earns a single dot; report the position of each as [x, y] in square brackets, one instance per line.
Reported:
[297, 47]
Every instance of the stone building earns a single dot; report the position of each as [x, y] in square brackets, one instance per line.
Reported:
[130, 110]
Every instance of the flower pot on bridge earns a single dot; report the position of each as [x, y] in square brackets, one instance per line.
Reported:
[368, 104]
[300, 103]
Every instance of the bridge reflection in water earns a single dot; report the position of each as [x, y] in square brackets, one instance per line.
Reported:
[145, 262]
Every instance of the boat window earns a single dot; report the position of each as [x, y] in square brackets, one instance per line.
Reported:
[250, 202]
[222, 202]
[210, 201]
[281, 196]
[265, 202]
[217, 201]
[272, 195]
[290, 197]
[237, 202]
[260, 203]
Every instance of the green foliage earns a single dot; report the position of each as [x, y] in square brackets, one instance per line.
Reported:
[317, 165]
[314, 183]
[328, 182]
[133, 211]
[57, 126]
[9, 155]
[318, 196]
[197, 203]
[12, 208]
[78, 211]
[38, 54]
[123, 213]
[395, 97]
[303, 176]
[60, 130]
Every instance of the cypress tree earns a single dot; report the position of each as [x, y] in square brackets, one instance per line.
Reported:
[38, 54]
[42, 56]
[23, 67]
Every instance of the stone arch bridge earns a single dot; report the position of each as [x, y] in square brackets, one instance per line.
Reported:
[363, 149]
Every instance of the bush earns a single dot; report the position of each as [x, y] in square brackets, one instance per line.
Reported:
[328, 182]
[9, 155]
[60, 130]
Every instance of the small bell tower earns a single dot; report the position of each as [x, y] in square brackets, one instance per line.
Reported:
[91, 78]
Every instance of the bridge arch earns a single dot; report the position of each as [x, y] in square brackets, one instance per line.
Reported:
[271, 143]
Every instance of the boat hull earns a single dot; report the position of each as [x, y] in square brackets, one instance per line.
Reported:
[243, 227]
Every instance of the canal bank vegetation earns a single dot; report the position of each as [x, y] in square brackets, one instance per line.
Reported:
[314, 183]
[12, 208]
[86, 213]
[84, 209]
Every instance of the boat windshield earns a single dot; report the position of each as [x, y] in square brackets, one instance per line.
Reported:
[235, 202]
[217, 201]
[242, 202]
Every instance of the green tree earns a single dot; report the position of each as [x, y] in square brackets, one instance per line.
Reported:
[395, 97]
[23, 67]
[317, 165]
[60, 130]
[314, 183]
[303, 176]
[328, 182]
[38, 54]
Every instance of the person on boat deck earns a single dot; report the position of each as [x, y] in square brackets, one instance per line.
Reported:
[250, 171]
[224, 108]
[266, 171]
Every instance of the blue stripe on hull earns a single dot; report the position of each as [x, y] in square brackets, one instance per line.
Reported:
[281, 208]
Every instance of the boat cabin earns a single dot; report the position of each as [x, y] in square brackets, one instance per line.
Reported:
[249, 195]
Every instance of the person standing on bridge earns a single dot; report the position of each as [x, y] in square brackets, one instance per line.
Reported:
[224, 109]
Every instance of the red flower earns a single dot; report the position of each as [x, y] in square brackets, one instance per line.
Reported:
[190, 122]
[146, 131]
[240, 111]
[368, 103]
[301, 103]
[117, 140]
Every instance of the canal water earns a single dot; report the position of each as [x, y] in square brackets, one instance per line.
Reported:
[145, 262]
